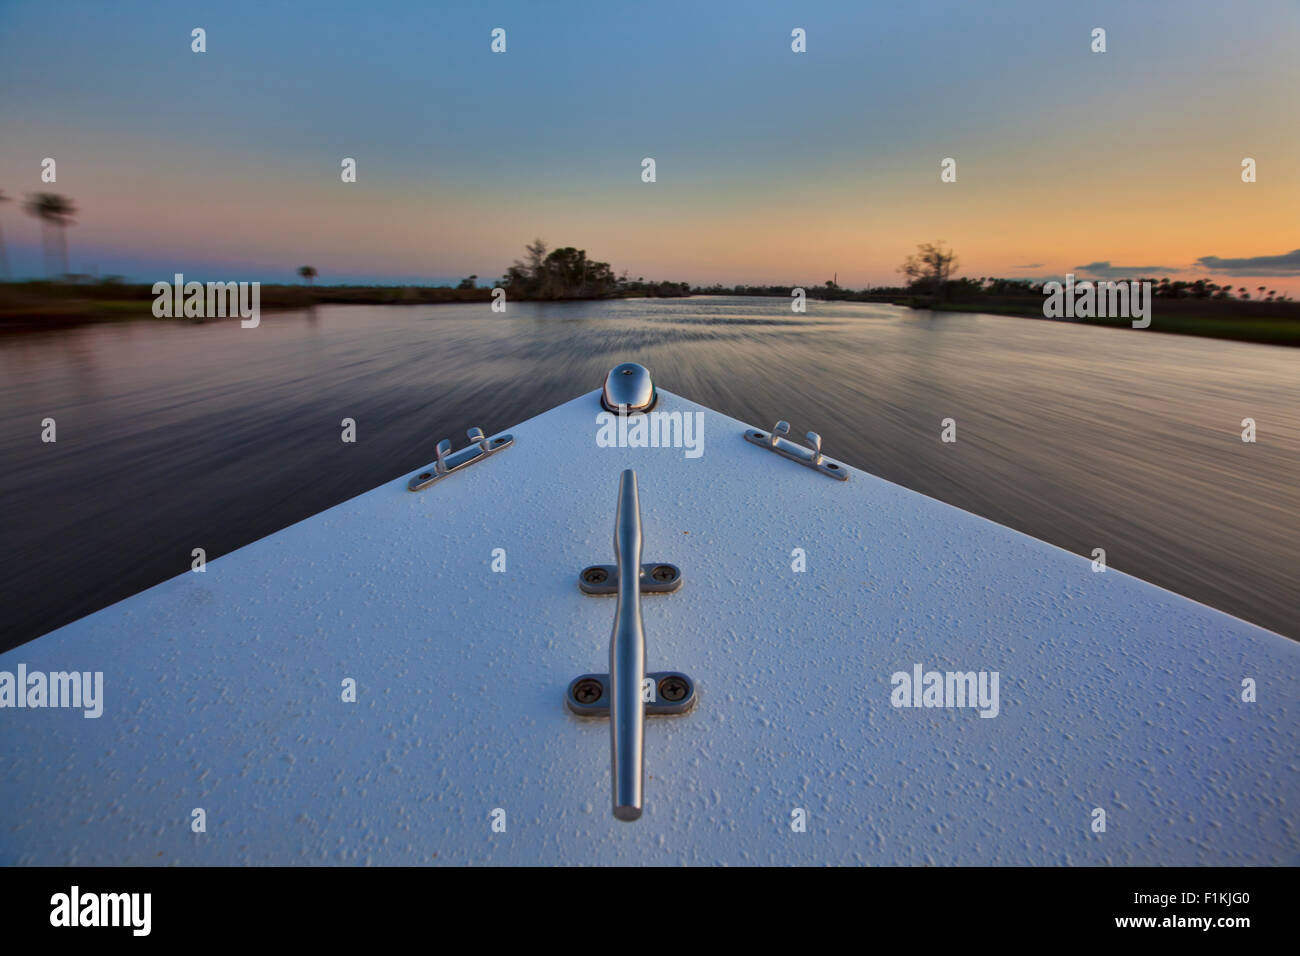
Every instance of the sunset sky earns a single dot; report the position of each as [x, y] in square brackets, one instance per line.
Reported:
[773, 167]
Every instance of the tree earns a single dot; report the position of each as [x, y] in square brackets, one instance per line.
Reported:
[55, 213]
[534, 260]
[4, 257]
[308, 273]
[536, 253]
[564, 273]
[468, 283]
[931, 266]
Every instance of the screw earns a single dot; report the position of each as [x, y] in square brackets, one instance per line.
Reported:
[587, 691]
[426, 475]
[672, 689]
[595, 575]
[663, 572]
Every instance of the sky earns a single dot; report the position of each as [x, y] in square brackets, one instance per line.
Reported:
[771, 166]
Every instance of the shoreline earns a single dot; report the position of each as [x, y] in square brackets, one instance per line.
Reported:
[1263, 323]
[39, 305]
[36, 305]
[1204, 318]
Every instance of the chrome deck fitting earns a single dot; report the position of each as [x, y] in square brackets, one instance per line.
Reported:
[655, 579]
[812, 456]
[478, 449]
[628, 385]
[669, 692]
[627, 694]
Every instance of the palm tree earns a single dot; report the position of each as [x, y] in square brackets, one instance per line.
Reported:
[4, 258]
[55, 213]
[307, 272]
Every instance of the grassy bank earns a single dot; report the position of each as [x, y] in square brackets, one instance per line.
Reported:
[1271, 323]
[36, 304]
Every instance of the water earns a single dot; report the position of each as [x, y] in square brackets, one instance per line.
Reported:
[173, 437]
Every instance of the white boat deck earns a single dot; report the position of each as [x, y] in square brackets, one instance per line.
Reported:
[223, 689]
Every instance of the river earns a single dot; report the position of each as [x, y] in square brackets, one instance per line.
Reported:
[174, 436]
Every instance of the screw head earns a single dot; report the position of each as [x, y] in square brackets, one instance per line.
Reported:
[663, 572]
[672, 689]
[587, 691]
[595, 575]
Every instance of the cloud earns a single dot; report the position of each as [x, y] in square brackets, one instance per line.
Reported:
[1029, 265]
[1287, 264]
[1104, 270]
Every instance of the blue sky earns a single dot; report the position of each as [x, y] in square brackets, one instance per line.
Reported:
[772, 166]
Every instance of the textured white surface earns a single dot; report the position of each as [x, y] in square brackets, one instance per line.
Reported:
[223, 689]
